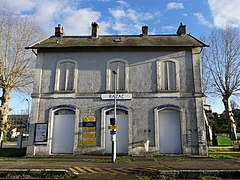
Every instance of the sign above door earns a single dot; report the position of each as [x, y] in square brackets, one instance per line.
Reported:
[124, 96]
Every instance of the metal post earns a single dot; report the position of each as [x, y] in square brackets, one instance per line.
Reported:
[114, 138]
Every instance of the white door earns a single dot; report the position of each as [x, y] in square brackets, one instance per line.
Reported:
[169, 132]
[63, 134]
[122, 134]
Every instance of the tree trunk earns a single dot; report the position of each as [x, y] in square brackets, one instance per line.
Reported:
[208, 128]
[229, 117]
[4, 111]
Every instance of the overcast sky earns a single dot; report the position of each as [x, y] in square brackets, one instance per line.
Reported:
[127, 17]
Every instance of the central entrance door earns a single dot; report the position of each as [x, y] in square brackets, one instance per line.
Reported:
[169, 132]
[63, 132]
[122, 132]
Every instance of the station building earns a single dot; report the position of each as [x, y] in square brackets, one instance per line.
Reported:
[159, 96]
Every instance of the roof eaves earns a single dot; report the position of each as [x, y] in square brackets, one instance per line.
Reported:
[36, 43]
[204, 45]
[116, 47]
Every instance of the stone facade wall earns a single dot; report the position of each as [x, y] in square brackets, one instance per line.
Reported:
[143, 85]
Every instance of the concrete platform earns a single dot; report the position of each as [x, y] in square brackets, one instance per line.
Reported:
[178, 167]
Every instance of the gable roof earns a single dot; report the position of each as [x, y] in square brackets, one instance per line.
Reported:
[173, 40]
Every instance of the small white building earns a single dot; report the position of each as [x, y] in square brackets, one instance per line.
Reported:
[159, 96]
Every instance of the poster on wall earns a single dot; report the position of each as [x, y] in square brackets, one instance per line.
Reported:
[41, 130]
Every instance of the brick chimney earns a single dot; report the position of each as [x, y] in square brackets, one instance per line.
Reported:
[94, 30]
[181, 29]
[59, 31]
[144, 30]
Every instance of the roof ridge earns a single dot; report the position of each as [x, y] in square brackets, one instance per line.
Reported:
[163, 40]
[124, 35]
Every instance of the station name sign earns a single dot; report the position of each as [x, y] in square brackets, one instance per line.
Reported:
[124, 96]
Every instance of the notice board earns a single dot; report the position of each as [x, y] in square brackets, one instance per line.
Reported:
[89, 130]
[40, 136]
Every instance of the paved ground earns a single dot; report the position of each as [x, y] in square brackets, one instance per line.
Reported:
[162, 162]
[126, 167]
[96, 167]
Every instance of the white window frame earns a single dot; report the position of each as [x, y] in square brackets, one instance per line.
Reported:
[57, 76]
[109, 74]
[160, 64]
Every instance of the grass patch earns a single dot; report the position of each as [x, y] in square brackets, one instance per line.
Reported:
[219, 150]
[220, 156]
[208, 177]
[11, 152]
[95, 159]
[142, 178]
[178, 158]
[125, 159]
[227, 153]
[223, 141]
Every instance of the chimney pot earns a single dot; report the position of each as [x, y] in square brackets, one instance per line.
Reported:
[94, 30]
[181, 29]
[59, 31]
[144, 30]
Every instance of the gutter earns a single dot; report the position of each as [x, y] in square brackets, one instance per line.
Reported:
[34, 52]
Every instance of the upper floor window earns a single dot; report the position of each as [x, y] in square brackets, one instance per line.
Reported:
[66, 75]
[121, 75]
[168, 75]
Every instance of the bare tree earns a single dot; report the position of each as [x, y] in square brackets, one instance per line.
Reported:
[221, 68]
[16, 32]
[234, 104]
